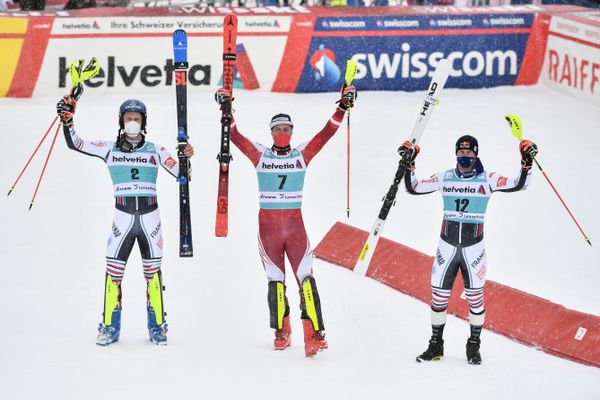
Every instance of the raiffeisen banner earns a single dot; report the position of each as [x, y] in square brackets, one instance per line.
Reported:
[401, 52]
[572, 59]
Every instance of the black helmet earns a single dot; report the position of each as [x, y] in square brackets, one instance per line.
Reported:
[467, 142]
[133, 105]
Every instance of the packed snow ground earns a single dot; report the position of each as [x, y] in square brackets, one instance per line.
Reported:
[220, 345]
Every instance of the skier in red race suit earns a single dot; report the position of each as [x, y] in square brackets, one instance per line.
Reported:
[281, 170]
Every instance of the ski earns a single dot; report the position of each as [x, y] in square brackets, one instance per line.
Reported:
[224, 156]
[440, 76]
[181, 65]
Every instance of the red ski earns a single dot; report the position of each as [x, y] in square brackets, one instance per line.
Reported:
[230, 24]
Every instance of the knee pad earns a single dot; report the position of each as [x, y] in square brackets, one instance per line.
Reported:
[438, 317]
[155, 298]
[476, 319]
[112, 299]
[278, 304]
[310, 303]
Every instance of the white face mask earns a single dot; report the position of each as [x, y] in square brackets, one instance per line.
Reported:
[132, 128]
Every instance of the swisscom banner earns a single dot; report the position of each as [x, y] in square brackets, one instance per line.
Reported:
[485, 51]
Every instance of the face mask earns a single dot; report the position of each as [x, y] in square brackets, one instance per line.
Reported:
[132, 128]
[282, 140]
[465, 162]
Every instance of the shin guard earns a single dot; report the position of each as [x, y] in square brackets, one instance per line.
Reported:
[112, 300]
[278, 304]
[310, 303]
[155, 298]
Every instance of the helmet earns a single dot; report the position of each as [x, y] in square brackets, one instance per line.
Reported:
[133, 105]
[281, 119]
[467, 142]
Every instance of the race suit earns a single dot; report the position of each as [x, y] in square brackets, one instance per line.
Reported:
[281, 181]
[136, 215]
[461, 244]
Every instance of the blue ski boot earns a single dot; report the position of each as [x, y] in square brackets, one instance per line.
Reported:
[108, 334]
[157, 332]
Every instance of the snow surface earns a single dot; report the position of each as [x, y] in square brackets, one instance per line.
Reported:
[220, 344]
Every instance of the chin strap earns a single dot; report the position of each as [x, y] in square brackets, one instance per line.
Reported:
[281, 150]
[126, 146]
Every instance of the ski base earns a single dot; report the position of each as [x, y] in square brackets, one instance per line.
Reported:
[221, 225]
[366, 254]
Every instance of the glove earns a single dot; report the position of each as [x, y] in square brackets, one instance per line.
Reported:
[408, 154]
[65, 109]
[528, 151]
[347, 98]
[223, 96]
[76, 92]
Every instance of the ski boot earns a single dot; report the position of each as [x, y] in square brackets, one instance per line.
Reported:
[473, 355]
[279, 312]
[157, 326]
[157, 332]
[434, 352]
[283, 336]
[312, 319]
[314, 341]
[110, 327]
[108, 334]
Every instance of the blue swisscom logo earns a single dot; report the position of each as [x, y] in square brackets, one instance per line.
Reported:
[407, 62]
[423, 22]
[325, 71]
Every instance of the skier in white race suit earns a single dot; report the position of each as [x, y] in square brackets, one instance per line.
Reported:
[133, 164]
[466, 190]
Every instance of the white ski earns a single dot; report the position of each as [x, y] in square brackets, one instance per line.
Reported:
[440, 76]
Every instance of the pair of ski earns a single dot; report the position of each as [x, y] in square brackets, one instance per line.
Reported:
[224, 157]
[440, 76]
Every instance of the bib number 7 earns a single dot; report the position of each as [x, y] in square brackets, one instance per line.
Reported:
[283, 179]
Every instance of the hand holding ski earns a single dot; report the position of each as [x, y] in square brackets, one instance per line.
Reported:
[517, 130]
[186, 248]
[224, 156]
[431, 99]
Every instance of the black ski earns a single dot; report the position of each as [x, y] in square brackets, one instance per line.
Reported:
[181, 65]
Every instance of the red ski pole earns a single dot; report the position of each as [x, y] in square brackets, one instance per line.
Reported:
[32, 155]
[348, 173]
[45, 164]
[587, 239]
[516, 127]
[351, 68]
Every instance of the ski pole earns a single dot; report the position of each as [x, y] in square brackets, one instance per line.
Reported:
[351, 68]
[45, 164]
[32, 155]
[516, 127]
[348, 170]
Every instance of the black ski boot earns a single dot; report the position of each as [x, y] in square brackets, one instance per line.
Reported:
[473, 356]
[434, 352]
